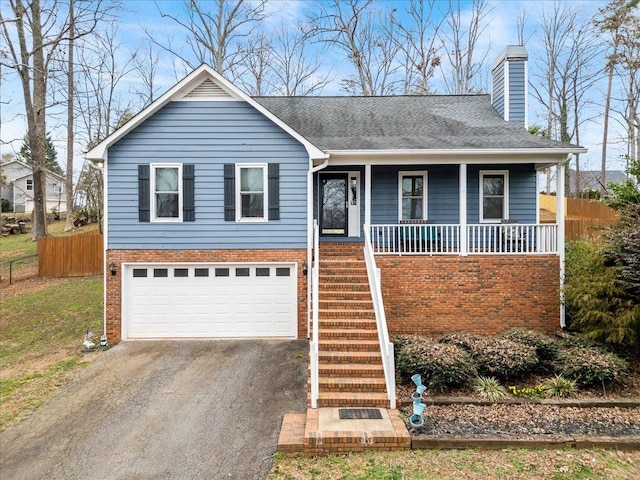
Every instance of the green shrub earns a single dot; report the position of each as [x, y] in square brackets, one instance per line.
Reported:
[559, 386]
[589, 365]
[596, 301]
[441, 365]
[497, 356]
[546, 347]
[490, 389]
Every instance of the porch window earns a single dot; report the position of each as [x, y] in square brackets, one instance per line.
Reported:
[494, 195]
[251, 188]
[166, 187]
[413, 195]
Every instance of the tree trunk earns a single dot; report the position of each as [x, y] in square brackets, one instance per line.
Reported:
[70, 94]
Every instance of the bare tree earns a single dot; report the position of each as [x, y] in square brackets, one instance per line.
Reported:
[33, 36]
[296, 71]
[255, 72]
[417, 41]
[610, 21]
[460, 42]
[146, 66]
[214, 31]
[366, 37]
[629, 66]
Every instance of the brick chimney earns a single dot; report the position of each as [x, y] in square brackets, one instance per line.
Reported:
[510, 86]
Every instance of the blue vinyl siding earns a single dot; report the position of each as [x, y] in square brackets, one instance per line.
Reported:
[517, 91]
[522, 192]
[208, 135]
[497, 93]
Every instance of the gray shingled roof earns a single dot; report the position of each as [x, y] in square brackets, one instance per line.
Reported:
[402, 122]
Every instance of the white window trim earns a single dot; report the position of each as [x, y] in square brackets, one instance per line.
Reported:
[152, 174]
[505, 173]
[425, 192]
[27, 185]
[265, 202]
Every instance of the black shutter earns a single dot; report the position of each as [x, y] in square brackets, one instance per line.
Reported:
[188, 190]
[274, 191]
[144, 195]
[229, 192]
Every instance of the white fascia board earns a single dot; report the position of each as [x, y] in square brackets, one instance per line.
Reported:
[459, 151]
[98, 153]
[432, 157]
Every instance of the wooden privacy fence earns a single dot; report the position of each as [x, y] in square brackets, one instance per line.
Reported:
[72, 256]
[583, 218]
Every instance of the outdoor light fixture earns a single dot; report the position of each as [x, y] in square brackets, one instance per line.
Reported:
[112, 268]
[304, 268]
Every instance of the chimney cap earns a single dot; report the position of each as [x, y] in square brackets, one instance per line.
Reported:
[511, 52]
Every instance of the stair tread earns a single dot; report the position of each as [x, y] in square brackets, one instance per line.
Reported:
[378, 381]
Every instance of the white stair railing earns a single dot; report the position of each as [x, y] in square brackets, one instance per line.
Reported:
[313, 345]
[386, 347]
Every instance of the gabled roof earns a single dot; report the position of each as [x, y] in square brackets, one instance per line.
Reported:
[202, 84]
[592, 179]
[432, 122]
[28, 170]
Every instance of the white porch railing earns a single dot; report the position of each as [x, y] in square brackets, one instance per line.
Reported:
[446, 239]
[386, 347]
[313, 345]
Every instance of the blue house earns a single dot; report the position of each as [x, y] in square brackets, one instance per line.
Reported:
[344, 220]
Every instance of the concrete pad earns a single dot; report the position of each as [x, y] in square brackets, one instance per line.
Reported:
[329, 421]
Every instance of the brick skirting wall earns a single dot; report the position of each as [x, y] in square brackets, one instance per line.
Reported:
[114, 282]
[476, 294]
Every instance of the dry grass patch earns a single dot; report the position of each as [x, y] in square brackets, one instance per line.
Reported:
[41, 332]
[467, 464]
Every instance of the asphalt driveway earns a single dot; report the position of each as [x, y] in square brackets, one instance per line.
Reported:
[155, 410]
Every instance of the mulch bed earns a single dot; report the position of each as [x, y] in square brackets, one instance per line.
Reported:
[510, 421]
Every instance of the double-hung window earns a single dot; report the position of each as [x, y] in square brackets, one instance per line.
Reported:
[166, 188]
[29, 184]
[494, 195]
[251, 192]
[413, 195]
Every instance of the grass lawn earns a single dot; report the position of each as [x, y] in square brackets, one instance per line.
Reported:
[462, 464]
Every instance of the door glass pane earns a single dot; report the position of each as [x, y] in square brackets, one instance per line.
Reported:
[334, 208]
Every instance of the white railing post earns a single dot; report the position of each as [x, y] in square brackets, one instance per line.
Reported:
[386, 347]
[313, 345]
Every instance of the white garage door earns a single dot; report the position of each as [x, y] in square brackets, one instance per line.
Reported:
[209, 300]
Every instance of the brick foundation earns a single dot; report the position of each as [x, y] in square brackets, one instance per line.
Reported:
[477, 294]
[114, 282]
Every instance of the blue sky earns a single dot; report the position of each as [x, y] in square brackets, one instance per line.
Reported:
[141, 14]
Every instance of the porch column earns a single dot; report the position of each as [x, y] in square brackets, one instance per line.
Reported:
[560, 223]
[367, 194]
[463, 210]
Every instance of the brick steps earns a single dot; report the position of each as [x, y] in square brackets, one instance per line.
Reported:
[350, 364]
[353, 399]
[356, 333]
[349, 345]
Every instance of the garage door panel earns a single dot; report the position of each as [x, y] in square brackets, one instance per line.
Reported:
[210, 300]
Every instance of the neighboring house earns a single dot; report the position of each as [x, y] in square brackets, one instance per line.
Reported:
[18, 188]
[211, 198]
[591, 180]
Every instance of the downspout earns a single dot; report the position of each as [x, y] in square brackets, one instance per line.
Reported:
[560, 187]
[312, 170]
[96, 165]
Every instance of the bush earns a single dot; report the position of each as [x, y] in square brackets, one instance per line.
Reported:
[496, 356]
[589, 365]
[546, 347]
[441, 365]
